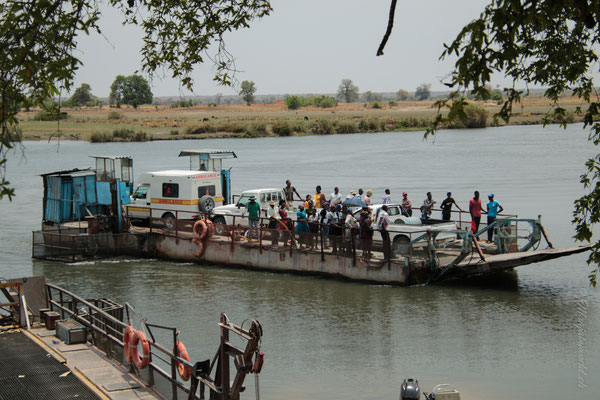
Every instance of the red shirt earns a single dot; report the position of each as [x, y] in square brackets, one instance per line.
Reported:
[475, 207]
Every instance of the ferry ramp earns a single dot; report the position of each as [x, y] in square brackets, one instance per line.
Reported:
[29, 372]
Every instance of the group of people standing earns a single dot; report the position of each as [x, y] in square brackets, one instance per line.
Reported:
[339, 224]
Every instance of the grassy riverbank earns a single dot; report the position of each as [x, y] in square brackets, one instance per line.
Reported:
[202, 122]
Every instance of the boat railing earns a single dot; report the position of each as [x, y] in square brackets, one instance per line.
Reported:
[429, 243]
[106, 322]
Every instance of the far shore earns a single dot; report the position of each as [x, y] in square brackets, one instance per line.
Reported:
[99, 124]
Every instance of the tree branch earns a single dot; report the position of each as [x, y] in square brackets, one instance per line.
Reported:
[388, 31]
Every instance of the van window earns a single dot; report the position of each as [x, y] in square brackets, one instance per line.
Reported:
[275, 197]
[206, 190]
[263, 198]
[140, 192]
[170, 190]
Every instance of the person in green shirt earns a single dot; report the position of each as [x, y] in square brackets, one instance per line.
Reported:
[253, 216]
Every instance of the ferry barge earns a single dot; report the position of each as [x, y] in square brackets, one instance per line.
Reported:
[85, 216]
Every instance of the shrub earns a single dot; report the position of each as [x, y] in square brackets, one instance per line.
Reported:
[123, 133]
[294, 102]
[174, 132]
[282, 128]
[325, 101]
[373, 124]
[392, 103]
[234, 127]
[324, 127]
[298, 126]
[346, 126]
[99, 137]
[376, 105]
[141, 136]
[476, 117]
[113, 115]
[51, 115]
[363, 125]
[255, 130]
[200, 129]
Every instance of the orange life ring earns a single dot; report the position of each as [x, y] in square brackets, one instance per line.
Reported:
[126, 342]
[200, 224]
[184, 371]
[140, 362]
[211, 228]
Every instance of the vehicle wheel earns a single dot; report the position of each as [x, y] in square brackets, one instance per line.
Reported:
[401, 244]
[206, 204]
[170, 221]
[220, 226]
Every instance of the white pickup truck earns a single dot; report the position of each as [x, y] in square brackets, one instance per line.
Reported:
[223, 215]
[404, 229]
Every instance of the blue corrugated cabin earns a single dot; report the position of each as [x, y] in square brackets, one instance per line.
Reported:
[74, 194]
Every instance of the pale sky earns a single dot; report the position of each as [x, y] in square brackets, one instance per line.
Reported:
[305, 46]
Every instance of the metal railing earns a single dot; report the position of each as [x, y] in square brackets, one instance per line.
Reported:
[104, 321]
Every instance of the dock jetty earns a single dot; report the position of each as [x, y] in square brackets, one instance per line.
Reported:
[56, 345]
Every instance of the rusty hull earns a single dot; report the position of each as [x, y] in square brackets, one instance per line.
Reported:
[250, 256]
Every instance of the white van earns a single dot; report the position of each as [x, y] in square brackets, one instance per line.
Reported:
[182, 194]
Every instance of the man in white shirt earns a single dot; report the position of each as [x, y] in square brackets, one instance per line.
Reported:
[336, 197]
[383, 221]
[273, 214]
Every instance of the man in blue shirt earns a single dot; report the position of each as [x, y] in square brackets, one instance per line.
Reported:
[493, 208]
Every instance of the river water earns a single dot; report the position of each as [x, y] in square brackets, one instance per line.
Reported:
[532, 336]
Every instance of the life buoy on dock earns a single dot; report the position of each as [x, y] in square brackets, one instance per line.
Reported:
[129, 331]
[184, 371]
[200, 230]
[140, 362]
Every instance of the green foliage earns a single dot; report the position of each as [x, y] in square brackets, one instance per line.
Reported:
[423, 91]
[323, 127]
[548, 43]
[44, 115]
[371, 97]
[82, 95]
[120, 135]
[402, 95]
[38, 41]
[282, 128]
[475, 117]
[198, 130]
[320, 101]
[247, 91]
[255, 130]
[377, 105]
[183, 103]
[392, 103]
[346, 126]
[133, 90]
[363, 125]
[347, 91]
[294, 102]
[114, 116]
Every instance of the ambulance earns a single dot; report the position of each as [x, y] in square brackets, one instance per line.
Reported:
[183, 194]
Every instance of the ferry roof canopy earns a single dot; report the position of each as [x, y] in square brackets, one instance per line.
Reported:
[112, 157]
[212, 153]
[178, 172]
